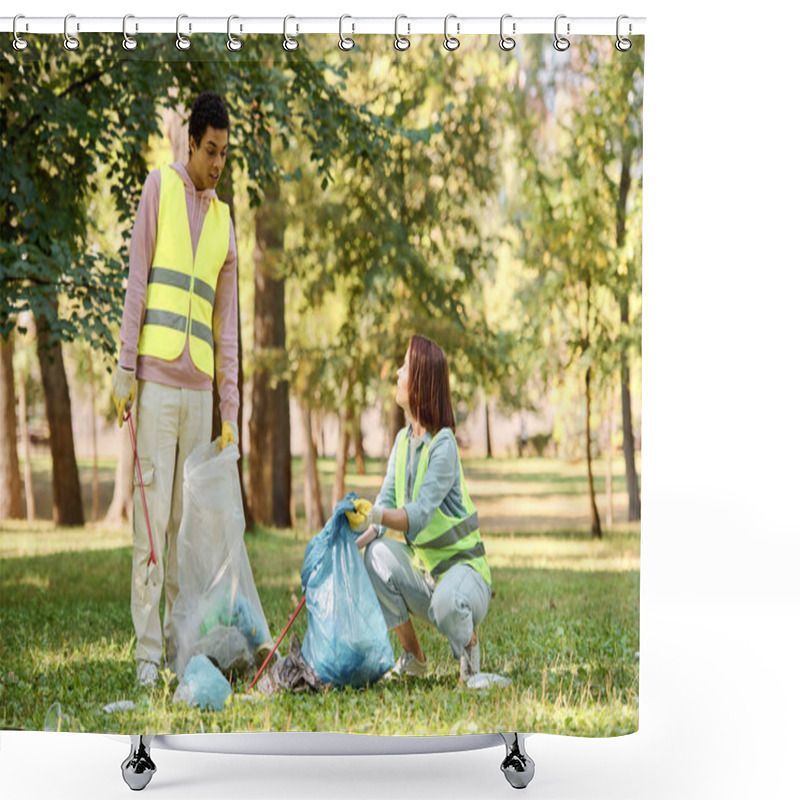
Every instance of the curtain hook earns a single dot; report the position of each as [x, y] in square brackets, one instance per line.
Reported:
[19, 43]
[623, 44]
[128, 42]
[560, 43]
[450, 42]
[181, 42]
[506, 42]
[233, 44]
[289, 44]
[70, 42]
[345, 42]
[401, 43]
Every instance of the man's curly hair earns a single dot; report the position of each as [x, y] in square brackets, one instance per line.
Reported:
[208, 109]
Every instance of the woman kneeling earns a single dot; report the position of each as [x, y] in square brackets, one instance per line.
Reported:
[440, 573]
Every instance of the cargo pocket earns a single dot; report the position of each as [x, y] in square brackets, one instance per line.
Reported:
[148, 473]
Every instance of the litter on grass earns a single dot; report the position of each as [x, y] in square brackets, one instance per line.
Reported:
[483, 680]
[202, 685]
[119, 705]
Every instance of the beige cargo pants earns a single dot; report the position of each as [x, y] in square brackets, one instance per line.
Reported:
[170, 424]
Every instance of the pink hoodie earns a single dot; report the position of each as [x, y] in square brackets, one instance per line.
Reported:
[181, 372]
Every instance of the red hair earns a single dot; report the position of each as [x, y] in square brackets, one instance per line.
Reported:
[429, 385]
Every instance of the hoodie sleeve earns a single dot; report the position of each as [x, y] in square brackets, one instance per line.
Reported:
[226, 335]
[140, 259]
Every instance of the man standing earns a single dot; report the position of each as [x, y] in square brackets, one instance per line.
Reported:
[180, 312]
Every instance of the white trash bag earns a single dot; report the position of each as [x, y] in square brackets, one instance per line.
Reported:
[217, 612]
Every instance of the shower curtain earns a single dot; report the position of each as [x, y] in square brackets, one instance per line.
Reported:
[486, 198]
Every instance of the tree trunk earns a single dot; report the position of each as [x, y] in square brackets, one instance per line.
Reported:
[11, 496]
[398, 420]
[93, 423]
[631, 479]
[283, 509]
[345, 421]
[596, 531]
[121, 508]
[358, 445]
[488, 428]
[311, 488]
[609, 462]
[30, 503]
[225, 193]
[318, 421]
[67, 502]
[270, 451]
[261, 501]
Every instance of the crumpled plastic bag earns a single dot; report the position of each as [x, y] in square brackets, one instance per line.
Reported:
[227, 650]
[215, 581]
[483, 680]
[346, 642]
[290, 674]
[202, 685]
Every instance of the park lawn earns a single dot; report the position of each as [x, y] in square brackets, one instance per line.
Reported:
[563, 625]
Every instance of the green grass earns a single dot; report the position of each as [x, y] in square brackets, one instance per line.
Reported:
[563, 625]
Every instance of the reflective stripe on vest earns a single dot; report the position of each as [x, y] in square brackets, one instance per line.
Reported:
[445, 541]
[180, 287]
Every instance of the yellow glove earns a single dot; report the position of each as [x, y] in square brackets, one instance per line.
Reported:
[123, 391]
[358, 517]
[230, 434]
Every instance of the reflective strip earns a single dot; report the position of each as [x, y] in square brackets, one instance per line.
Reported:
[467, 555]
[452, 536]
[204, 290]
[202, 332]
[170, 277]
[166, 319]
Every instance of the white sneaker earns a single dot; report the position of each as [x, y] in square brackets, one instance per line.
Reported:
[470, 661]
[146, 673]
[408, 664]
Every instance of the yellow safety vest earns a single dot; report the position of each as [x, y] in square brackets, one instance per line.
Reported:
[180, 287]
[446, 541]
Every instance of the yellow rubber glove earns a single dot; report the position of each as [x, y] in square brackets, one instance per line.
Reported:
[123, 391]
[230, 434]
[357, 518]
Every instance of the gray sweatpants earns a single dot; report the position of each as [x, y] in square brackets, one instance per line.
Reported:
[455, 606]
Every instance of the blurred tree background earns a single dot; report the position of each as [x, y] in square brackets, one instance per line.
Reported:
[490, 200]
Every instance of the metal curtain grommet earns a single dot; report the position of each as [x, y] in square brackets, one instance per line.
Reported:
[345, 42]
[289, 44]
[70, 42]
[181, 41]
[233, 44]
[623, 44]
[19, 43]
[450, 42]
[128, 42]
[506, 42]
[401, 43]
[560, 43]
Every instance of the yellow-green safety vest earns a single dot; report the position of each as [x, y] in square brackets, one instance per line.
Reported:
[445, 541]
[180, 287]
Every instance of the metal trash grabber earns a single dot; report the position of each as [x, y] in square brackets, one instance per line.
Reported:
[275, 646]
[151, 561]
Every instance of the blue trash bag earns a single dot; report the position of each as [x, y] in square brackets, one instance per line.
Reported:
[202, 685]
[346, 641]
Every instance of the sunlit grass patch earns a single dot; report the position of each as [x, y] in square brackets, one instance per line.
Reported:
[18, 538]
